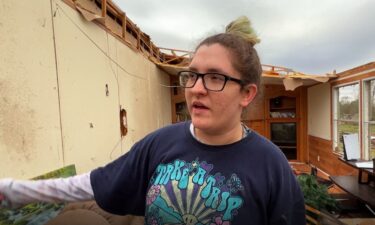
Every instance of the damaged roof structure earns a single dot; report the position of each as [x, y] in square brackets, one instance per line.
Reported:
[85, 69]
[108, 15]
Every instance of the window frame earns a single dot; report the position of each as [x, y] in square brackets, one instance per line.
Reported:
[366, 89]
[335, 117]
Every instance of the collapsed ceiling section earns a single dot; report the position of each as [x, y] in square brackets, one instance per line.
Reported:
[110, 17]
[291, 79]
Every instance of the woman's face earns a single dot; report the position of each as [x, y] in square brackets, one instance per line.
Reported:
[216, 112]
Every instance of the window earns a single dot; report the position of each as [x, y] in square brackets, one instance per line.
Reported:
[346, 113]
[369, 118]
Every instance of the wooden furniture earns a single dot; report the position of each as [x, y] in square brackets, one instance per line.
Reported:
[350, 184]
[275, 113]
[282, 114]
[362, 172]
[356, 186]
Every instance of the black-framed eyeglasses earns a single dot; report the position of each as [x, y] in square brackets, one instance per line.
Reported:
[211, 81]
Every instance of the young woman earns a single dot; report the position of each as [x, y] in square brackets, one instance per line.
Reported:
[210, 170]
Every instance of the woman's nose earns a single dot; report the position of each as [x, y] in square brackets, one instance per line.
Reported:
[199, 86]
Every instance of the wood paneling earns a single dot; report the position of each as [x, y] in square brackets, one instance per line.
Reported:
[257, 117]
[322, 156]
[256, 125]
[302, 111]
[255, 110]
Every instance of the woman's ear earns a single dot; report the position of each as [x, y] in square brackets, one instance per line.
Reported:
[248, 93]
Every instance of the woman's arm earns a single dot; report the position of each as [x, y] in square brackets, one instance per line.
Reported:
[16, 193]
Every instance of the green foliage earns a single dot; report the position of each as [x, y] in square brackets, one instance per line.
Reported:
[66, 171]
[349, 109]
[36, 213]
[315, 194]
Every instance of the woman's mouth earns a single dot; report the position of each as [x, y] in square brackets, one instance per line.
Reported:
[198, 107]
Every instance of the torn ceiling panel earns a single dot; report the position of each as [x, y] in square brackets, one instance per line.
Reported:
[290, 82]
[291, 79]
[88, 10]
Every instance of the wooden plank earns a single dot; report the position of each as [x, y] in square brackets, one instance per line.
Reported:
[104, 8]
[353, 78]
[114, 8]
[355, 70]
[150, 48]
[124, 26]
[138, 38]
[176, 50]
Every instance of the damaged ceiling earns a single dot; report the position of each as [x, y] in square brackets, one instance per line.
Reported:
[114, 20]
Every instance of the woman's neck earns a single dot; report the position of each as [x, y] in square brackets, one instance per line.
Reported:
[220, 138]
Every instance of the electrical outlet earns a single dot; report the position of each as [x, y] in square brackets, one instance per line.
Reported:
[318, 158]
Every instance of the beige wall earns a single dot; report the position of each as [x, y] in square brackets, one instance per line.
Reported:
[54, 111]
[319, 112]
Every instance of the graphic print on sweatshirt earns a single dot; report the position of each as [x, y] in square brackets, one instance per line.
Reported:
[186, 193]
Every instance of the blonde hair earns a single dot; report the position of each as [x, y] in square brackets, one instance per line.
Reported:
[242, 28]
[240, 39]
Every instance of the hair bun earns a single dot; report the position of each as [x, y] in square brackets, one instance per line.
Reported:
[242, 28]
